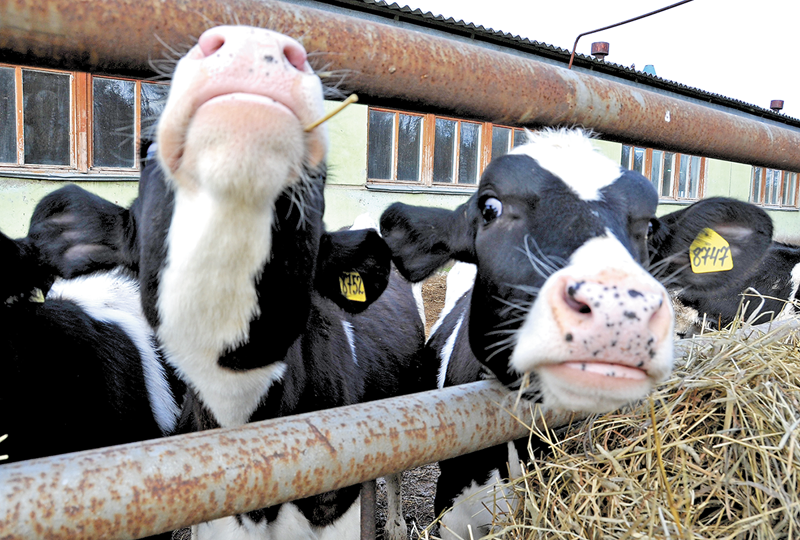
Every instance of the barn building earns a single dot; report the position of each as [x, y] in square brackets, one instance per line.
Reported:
[61, 126]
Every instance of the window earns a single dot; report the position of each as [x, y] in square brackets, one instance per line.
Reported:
[771, 187]
[675, 176]
[71, 121]
[429, 150]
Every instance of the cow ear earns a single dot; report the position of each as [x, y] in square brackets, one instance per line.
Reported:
[353, 268]
[423, 239]
[22, 278]
[716, 242]
[77, 232]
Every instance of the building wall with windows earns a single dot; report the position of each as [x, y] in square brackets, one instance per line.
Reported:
[352, 191]
[61, 126]
[410, 167]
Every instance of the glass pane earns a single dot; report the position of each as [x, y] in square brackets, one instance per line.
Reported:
[113, 121]
[669, 174]
[755, 185]
[789, 187]
[153, 98]
[519, 137]
[774, 180]
[409, 147]
[500, 139]
[470, 143]
[626, 156]
[444, 150]
[638, 160]
[45, 112]
[694, 177]
[656, 167]
[683, 178]
[8, 117]
[381, 137]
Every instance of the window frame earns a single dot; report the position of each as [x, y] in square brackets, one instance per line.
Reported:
[676, 168]
[81, 123]
[762, 188]
[428, 146]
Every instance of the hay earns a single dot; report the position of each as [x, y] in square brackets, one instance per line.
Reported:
[724, 461]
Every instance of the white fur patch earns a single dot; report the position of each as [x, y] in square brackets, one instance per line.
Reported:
[207, 298]
[447, 352]
[114, 298]
[795, 285]
[365, 221]
[348, 332]
[570, 155]
[460, 279]
[473, 509]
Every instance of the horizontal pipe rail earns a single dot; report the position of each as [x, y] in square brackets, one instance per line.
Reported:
[391, 65]
[146, 488]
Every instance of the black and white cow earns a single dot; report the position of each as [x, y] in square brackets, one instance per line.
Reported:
[80, 369]
[773, 274]
[559, 234]
[259, 310]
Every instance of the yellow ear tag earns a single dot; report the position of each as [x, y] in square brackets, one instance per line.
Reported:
[710, 252]
[352, 286]
[37, 296]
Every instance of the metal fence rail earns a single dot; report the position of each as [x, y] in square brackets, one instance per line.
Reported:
[145, 488]
[390, 65]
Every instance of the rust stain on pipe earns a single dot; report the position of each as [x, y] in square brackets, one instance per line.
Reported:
[150, 487]
[389, 65]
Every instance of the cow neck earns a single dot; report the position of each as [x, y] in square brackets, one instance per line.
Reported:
[207, 298]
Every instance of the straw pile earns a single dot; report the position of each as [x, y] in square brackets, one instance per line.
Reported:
[723, 462]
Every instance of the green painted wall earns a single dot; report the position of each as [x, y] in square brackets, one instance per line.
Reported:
[18, 197]
[347, 158]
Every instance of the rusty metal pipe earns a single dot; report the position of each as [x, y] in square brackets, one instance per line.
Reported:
[146, 488]
[393, 66]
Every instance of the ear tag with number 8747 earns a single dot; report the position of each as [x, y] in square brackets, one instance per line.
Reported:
[352, 286]
[710, 252]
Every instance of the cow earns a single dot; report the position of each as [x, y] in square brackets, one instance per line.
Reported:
[260, 311]
[769, 287]
[562, 311]
[80, 367]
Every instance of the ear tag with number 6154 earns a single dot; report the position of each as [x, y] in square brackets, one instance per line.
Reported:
[352, 286]
[710, 252]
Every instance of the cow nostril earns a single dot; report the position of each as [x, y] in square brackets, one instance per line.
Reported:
[575, 305]
[210, 42]
[295, 54]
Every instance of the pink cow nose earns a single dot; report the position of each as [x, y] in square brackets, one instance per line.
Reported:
[612, 319]
[215, 39]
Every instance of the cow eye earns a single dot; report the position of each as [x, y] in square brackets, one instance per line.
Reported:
[491, 208]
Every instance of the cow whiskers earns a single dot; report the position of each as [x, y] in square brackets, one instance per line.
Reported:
[299, 194]
[545, 265]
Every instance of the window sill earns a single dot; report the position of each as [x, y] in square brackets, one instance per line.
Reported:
[679, 202]
[71, 176]
[778, 208]
[430, 190]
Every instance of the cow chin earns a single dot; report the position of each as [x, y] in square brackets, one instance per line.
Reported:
[268, 149]
[568, 389]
